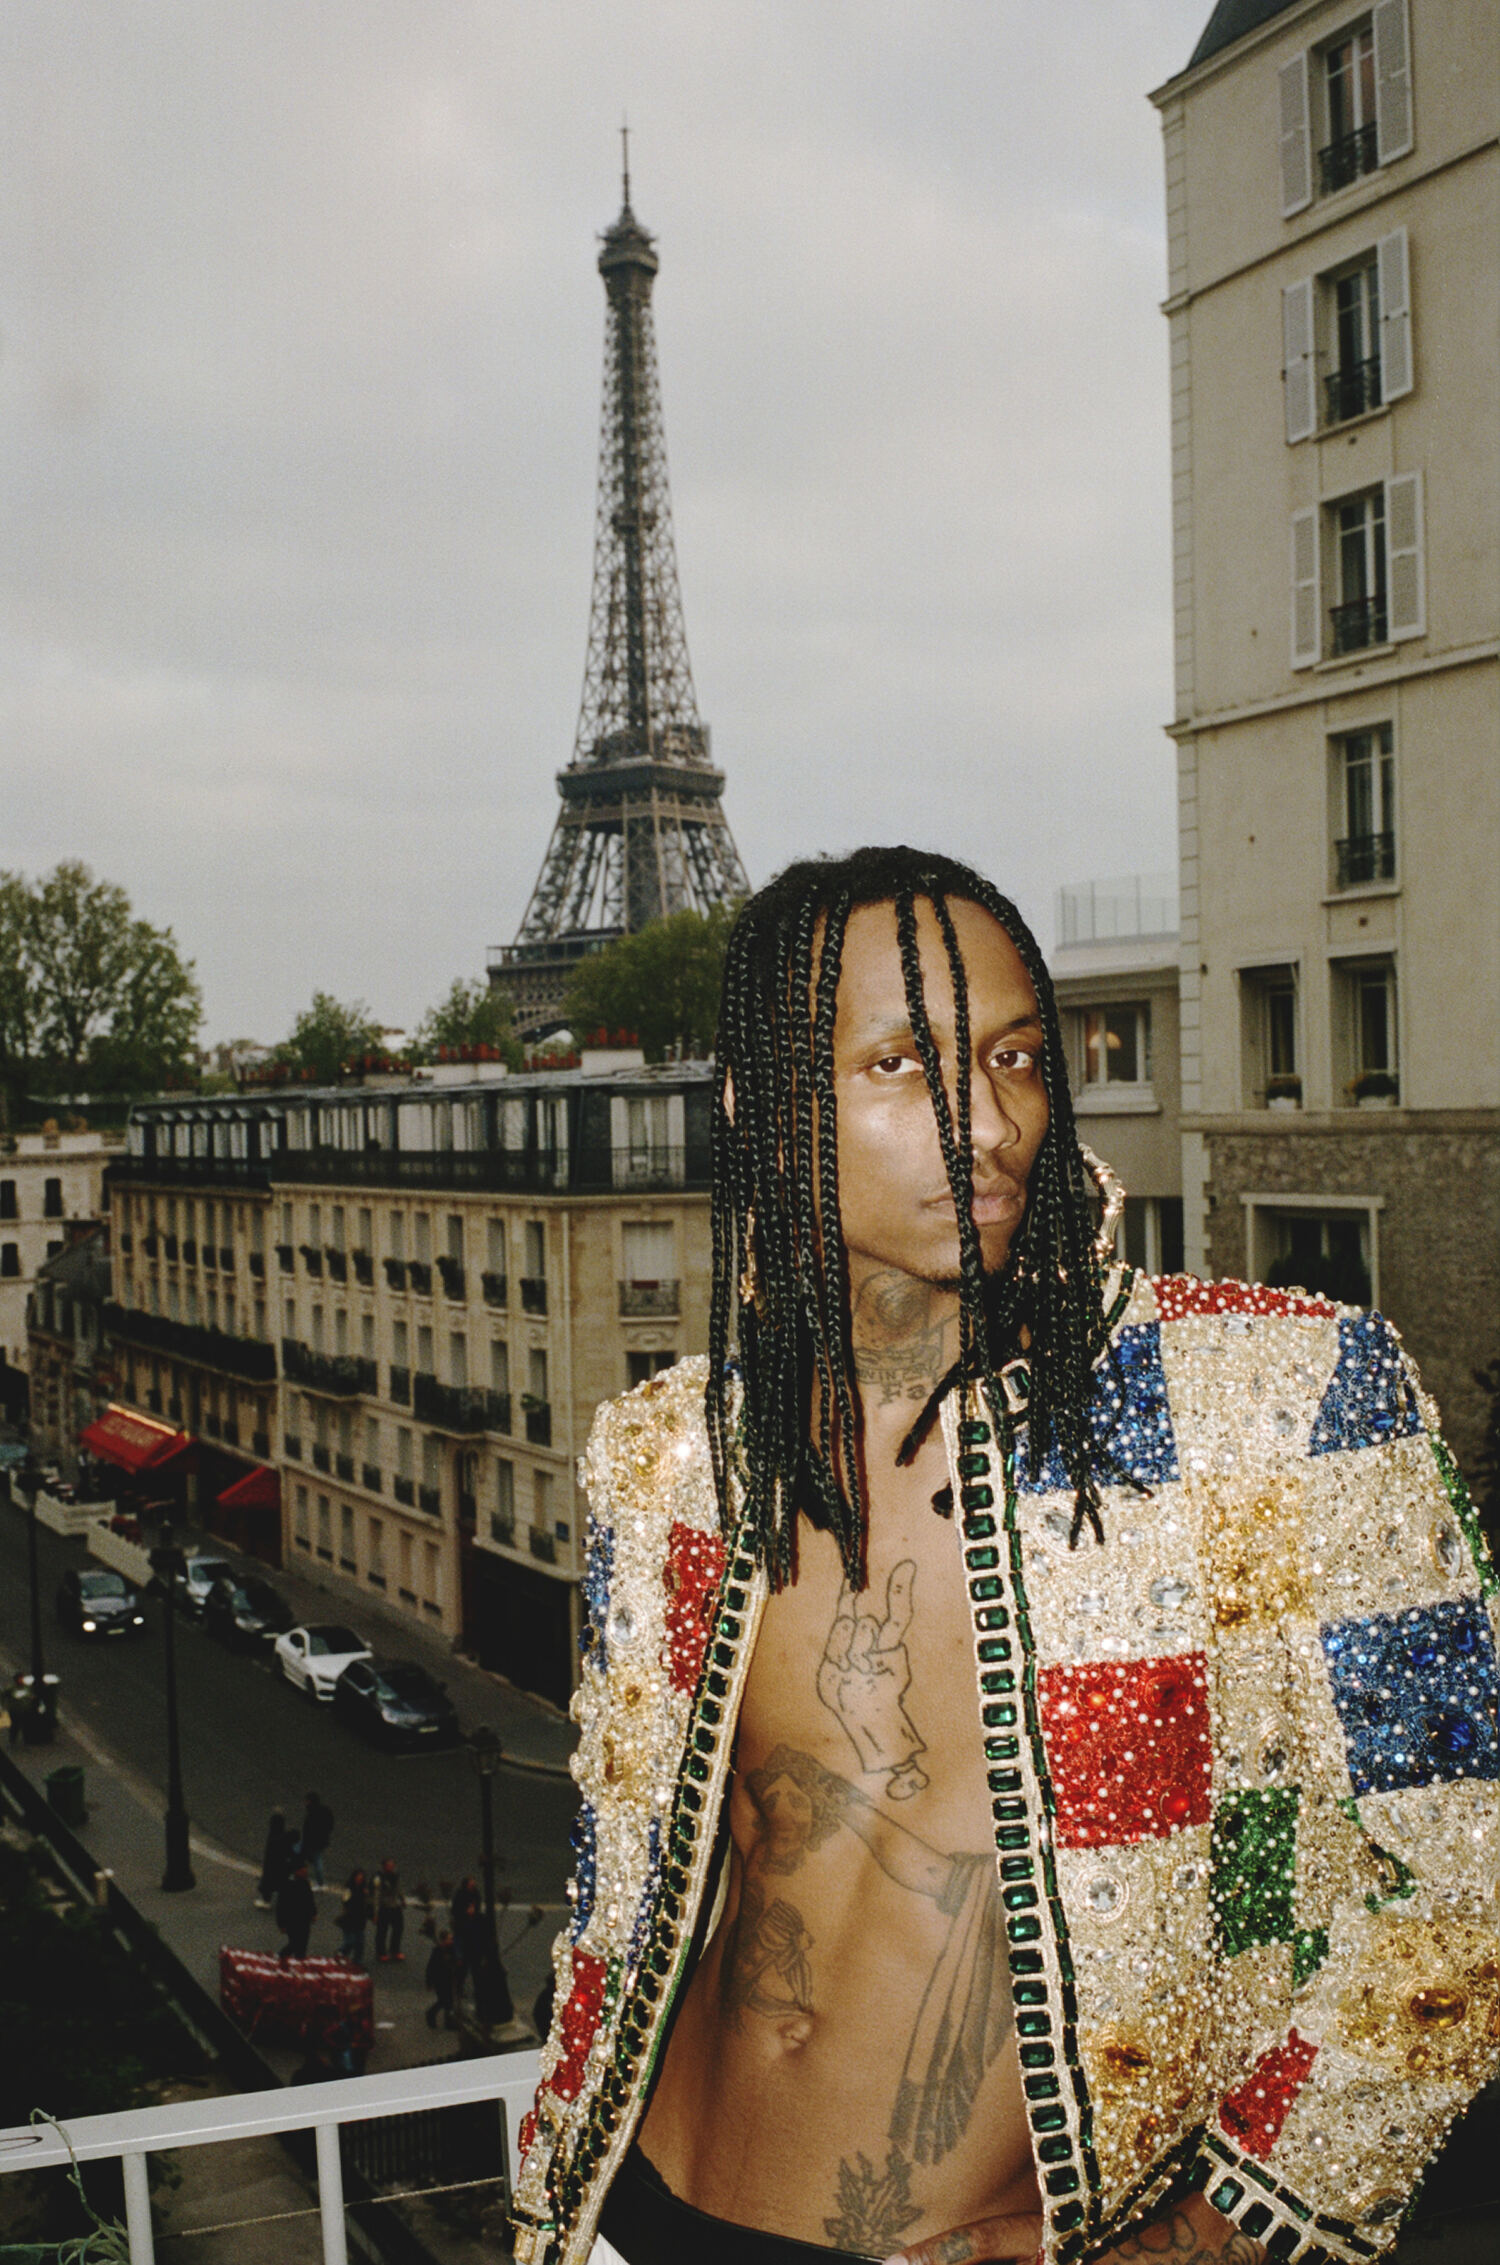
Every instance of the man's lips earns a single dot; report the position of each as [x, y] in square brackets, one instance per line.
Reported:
[997, 1201]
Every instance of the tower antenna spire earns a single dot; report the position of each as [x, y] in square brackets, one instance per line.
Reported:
[641, 832]
[625, 159]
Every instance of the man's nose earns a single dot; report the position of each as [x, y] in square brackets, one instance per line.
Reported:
[991, 1126]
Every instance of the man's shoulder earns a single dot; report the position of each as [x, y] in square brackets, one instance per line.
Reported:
[1165, 1298]
[648, 1450]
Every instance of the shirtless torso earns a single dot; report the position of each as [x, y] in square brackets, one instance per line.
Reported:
[843, 2069]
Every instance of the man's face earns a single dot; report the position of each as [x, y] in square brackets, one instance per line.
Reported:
[894, 1199]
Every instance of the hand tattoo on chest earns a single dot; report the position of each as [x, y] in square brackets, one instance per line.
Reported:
[863, 1678]
[965, 2012]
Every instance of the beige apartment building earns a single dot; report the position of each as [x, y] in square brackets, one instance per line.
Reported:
[1333, 195]
[402, 1303]
[48, 1180]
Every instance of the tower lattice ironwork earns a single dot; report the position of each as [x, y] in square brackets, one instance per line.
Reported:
[641, 832]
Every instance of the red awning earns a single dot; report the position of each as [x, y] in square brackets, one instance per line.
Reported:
[132, 1442]
[258, 1490]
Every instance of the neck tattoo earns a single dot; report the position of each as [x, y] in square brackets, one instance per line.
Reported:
[905, 1337]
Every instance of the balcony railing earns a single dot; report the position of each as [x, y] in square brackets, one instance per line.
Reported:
[405, 1490]
[419, 1275]
[430, 1499]
[454, 1284]
[496, 1289]
[533, 1293]
[322, 1458]
[370, 1478]
[312, 1258]
[338, 1264]
[343, 1467]
[395, 1273]
[649, 1300]
[291, 1446]
[400, 1384]
[497, 1411]
[258, 1264]
[1351, 391]
[190, 1253]
[169, 1246]
[244, 1357]
[1358, 623]
[1345, 160]
[539, 1423]
[132, 2136]
[1365, 857]
[286, 1257]
[364, 1267]
[341, 1374]
[542, 1544]
[452, 1407]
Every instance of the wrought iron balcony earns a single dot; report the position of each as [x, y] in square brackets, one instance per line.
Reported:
[370, 1478]
[258, 1264]
[286, 1257]
[150, 1244]
[245, 1357]
[395, 1273]
[169, 1246]
[419, 1276]
[322, 1458]
[364, 1267]
[1349, 392]
[405, 1490]
[343, 1466]
[291, 1447]
[338, 1263]
[533, 1293]
[190, 1252]
[539, 1422]
[1358, 623]
[1345, 160]
[1365, 857]
[354, 2105]
[400, 1384]
[339, 1374]
[497, 1411]
[542, 1544]
[430, 1499]
[496, 1289]
[312, 1258]
[452, 1407]
[451, 1269]
[649, 1300]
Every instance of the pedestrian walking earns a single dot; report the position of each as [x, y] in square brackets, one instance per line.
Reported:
[317, 1832]
[444, 1979]
[296, 1909]
[276, 1860]
[390, 1913]
[354, 1916]
[467, 1914]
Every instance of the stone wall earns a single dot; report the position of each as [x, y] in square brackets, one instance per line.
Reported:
[1439, 1229]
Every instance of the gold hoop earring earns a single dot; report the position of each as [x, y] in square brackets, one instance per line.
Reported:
[752, 1289]
[1113, 1195]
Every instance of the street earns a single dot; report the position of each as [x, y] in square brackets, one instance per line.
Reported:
[250, 1744]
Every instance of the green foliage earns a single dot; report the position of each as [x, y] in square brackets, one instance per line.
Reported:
[327, 1036]
[662, 983]
[472, 1015]
[91, 998]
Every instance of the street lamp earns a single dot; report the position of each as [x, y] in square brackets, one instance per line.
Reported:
[167, 1562]
[43, 1714]
[492, 2000]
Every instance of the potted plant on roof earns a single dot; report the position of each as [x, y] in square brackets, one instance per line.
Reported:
[1284, 1091]
[1374, 1089]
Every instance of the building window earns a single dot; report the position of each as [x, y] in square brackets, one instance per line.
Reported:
[1365, 804]
[1346, 106]
[499, 1365]
[9, 1209]
[1324, 1249]
[1151, 1233]
[1270, 1054]
[1369, 546]
[396, 1236]
[1116, 1045]
[301, 1532]
[503, 1516]
[10, 1260]
[422, 1238]
[495, 1254]
[536, 1250]
[1367, 1032]
[325, 1530]
[1347, 339]
[346, 1538]
[455, 1227]
[458, 1359]
[639, 1366]
[52, 1199]
[425, 1354]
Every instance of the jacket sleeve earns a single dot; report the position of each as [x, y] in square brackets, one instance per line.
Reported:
[1378, 1861]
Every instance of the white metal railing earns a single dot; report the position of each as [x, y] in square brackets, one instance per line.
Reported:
[509, 2079]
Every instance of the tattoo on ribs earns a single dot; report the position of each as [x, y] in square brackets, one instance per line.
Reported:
[874, 2207]
[863, 1678]
[965, 2013]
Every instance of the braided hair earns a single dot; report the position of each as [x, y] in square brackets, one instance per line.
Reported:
[780, 1273]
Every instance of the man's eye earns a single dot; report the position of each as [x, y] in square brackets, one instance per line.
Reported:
[1017, 1058]
[891, 1065]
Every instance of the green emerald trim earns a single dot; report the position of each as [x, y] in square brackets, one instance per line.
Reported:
[1068, 2217]
[1040, 2087]
[982, 1560]
[1062, 2182]
[1464, 1511]
[980, 1528]
[976, 1498]
[973, 1466]
[973, 1433]
[1048, 2119]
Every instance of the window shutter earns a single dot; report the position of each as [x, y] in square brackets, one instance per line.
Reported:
[1306, 611]
[1393, 108]
[1296, 138]
[1298, 366]
[1395, 316]
[1406, 580]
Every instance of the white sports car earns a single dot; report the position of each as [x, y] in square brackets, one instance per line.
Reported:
[312, 1659]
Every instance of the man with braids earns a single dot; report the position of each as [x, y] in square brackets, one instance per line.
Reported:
[1038, 1745]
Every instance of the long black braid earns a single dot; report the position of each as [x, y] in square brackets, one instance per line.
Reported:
[780, 1274]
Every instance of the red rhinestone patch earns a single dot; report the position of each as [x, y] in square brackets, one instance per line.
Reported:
[1253, 2116]
[694, 1567]
[1178, 1295]
[1128, 1748]
[580, 2019]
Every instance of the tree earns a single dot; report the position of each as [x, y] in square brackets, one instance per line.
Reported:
[91, 998]
[327, 1036]
[662, 982]
[472, 1014]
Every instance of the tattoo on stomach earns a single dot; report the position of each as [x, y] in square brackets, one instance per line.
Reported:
[965, 2012]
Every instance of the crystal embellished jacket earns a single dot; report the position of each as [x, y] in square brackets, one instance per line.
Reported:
[1243, 1759]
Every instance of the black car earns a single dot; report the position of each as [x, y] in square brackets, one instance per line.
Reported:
[245, 1613]
[396, 1703]
[93, 1601]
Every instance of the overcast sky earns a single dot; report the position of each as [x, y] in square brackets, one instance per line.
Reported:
[301, 344]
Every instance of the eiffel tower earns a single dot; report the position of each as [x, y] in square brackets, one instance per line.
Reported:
[640, 833]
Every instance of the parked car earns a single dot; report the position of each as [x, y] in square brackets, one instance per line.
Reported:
[93, 1601]
[197, 1578]
[245, 1613]
[395, 1703]
[312, 1659]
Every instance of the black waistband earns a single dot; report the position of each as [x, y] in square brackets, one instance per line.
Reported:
[649, 2226]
